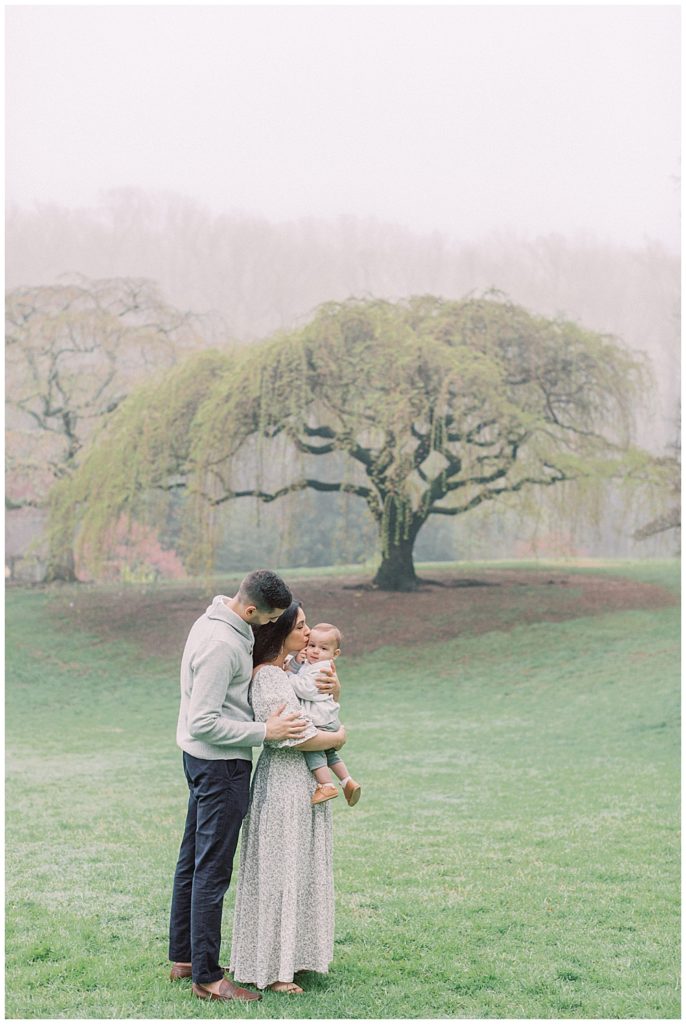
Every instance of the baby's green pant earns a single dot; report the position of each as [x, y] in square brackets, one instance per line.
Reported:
[320, 758]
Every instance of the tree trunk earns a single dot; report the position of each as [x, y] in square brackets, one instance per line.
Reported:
[61, 568]
[396, 571]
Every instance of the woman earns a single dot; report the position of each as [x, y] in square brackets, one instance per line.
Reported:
[283, 922]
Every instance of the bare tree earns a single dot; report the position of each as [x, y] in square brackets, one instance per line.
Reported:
[73, 352]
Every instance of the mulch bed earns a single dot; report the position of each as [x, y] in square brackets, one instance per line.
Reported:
[157, 620]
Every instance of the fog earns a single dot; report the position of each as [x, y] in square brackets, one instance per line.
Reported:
[463, 120]
[256, 162]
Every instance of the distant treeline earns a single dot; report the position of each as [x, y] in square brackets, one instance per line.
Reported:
[261, 277]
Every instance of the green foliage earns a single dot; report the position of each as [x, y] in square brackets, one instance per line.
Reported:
[142, 458]
[436, 407]
[664, 473]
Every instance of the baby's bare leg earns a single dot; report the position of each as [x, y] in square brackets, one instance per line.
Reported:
[351, 789]
[323, 775]
[340, 770]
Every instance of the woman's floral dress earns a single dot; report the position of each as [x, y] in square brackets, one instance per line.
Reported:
[284, 916]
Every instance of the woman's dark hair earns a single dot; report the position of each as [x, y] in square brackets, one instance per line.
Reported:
[269, 638]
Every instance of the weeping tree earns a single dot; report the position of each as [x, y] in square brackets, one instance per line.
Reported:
[665, 471]
[419, 408]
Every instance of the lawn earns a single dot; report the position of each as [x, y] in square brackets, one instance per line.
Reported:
[515, 852]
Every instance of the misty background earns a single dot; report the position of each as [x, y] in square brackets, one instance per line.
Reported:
[255, 162]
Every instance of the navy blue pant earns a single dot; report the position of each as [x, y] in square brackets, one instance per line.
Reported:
[217, 804]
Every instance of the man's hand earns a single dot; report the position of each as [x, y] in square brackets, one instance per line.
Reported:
[290, 727]
[327, 681]
[340, 739]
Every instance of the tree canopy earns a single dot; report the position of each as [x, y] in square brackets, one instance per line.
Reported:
[666, 471]
[421, 407]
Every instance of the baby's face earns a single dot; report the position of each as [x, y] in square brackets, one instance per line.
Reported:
[320, 646]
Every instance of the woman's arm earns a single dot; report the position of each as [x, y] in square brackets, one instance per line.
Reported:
[323, 740]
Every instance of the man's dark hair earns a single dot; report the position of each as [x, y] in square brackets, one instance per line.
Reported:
[265, 590]
[269, 639]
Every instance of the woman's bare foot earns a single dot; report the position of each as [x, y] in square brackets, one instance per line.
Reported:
[286, 986]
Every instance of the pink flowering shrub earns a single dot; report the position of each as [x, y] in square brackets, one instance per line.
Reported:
[132, 553]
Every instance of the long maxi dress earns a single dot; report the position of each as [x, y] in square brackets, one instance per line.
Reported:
[284, 915]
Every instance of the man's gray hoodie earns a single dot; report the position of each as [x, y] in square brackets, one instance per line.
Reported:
[215, 718]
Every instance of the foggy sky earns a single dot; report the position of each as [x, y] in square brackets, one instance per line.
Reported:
[453, 118]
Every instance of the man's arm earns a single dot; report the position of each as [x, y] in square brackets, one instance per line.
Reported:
[286, 727]
[328, 683]
[211, 669]
[305, 686]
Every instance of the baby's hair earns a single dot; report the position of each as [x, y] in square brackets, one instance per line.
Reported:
[330, 628]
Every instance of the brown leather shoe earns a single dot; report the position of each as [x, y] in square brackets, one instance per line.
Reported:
[181, 971]
[227, 991]
[326, 791]
[352, 791]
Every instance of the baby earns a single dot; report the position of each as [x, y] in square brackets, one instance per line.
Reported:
[322, 646]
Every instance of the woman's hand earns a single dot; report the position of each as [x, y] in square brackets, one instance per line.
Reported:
[288, 727]
[327, 681]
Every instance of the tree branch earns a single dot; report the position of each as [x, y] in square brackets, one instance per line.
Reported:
[297, 485]
[495, 492]
[11, 505]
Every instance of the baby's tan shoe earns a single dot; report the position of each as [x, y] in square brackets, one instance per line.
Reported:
[352, 791]
[326, 791]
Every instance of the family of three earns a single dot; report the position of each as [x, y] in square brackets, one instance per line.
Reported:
[236, 693]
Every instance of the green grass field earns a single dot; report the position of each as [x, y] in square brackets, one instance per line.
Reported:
[515, 852]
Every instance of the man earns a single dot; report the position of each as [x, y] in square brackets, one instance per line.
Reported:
[216, 732]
